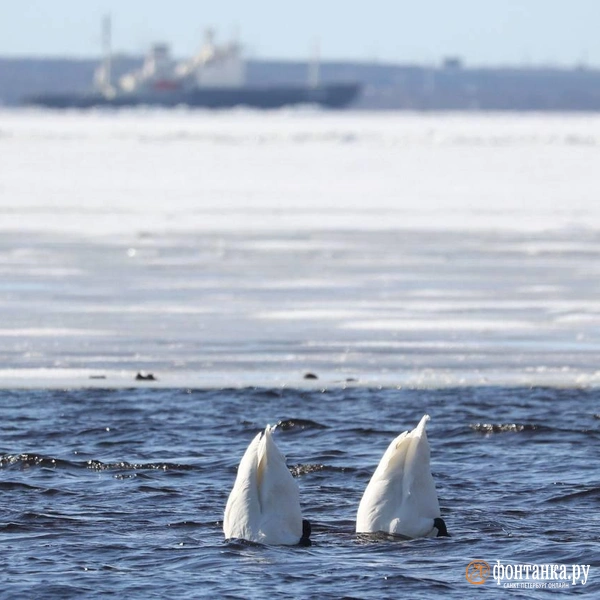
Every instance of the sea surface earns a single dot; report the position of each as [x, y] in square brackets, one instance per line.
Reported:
[122, 492]
[169, 279]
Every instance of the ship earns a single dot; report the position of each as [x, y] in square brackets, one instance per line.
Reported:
[214, 78]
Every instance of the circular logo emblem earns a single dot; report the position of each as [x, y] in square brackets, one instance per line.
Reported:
[477, 572]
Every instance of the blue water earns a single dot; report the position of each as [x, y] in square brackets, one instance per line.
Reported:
[121, 492]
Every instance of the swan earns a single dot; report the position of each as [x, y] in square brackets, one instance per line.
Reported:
[401, 498]
[264, 504]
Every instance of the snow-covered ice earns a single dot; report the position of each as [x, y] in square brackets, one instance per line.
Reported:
[240, 247]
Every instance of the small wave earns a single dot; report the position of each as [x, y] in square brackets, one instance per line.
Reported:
[153, 489]
[507, 427]
[31, 460]
[186, 524]
[37, 460]
[15, 485]
[299, 470]
[127, 466]
[287, 424]
[364, 431]
[593, 493]
[380, 536]
[52, 517]
[239, 544]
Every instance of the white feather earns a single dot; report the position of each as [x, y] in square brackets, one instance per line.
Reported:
[401, 498]
[264, 504]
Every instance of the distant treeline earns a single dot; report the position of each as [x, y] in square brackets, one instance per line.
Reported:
[385, 86]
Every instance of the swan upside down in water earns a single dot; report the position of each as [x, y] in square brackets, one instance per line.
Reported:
[264, 504]
[401, 499]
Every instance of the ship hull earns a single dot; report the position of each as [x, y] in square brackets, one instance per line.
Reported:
[332, 96]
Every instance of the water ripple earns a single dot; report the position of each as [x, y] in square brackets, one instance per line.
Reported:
[123, 491]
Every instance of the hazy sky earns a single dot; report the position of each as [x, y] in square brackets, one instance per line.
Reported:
[481, 31]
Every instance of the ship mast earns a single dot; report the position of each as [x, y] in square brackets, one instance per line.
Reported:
[314, 65]
[106, 48]
[102, 75]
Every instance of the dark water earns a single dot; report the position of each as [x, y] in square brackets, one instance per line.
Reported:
[122, 492]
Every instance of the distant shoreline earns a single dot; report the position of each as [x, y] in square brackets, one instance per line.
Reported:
[449, 86]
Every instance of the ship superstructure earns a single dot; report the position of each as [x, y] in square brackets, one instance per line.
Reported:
[215, 78]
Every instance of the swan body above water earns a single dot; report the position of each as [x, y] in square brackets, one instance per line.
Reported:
[400, 498]
[264, 504]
